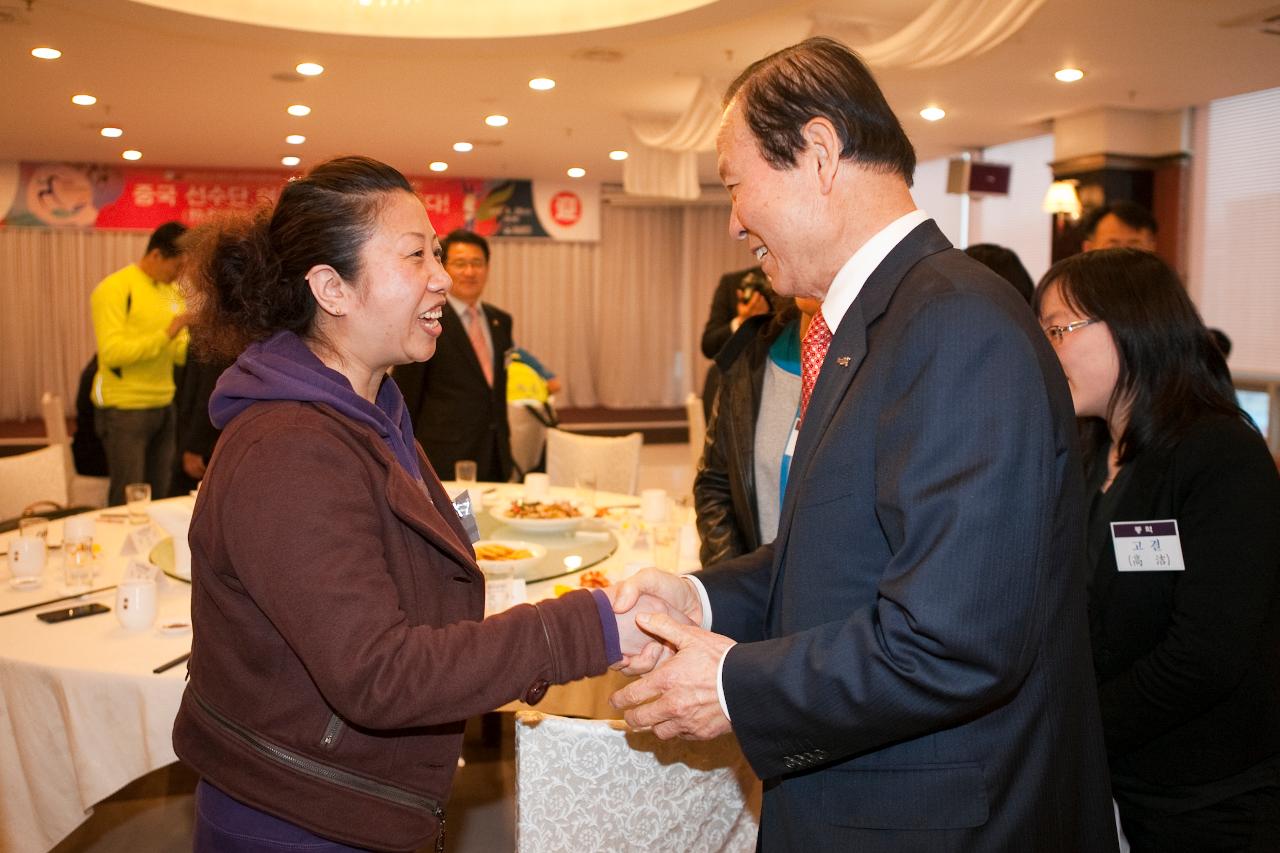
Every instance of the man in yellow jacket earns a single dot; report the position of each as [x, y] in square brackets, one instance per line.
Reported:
[139, 321]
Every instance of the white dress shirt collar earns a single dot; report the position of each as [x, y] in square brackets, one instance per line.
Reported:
[460, 308]
[854, 274]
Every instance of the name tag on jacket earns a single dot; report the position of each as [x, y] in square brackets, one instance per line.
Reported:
[1147, 546]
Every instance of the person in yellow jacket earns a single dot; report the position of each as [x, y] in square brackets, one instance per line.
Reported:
[139, 320]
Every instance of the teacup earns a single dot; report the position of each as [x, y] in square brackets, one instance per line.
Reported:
[26, 561]
[136, 603]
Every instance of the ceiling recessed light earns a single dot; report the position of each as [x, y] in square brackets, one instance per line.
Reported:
[1069, 75]
[618, 155]
[290, 160]
[295, 139]
[462, 147]
[309, 69]
[299, 110]
[542, 84]
[576, 172]
[46, 52]
[83, 100]
[932, 113]
[496, 121]
[112, 132]
[438, 166]
[131, 154]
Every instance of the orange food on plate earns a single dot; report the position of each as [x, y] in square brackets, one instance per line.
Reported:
[494, 551]
[593, 579]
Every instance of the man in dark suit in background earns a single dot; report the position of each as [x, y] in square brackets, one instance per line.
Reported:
[907, 666]
[739, 296]
[458, 399]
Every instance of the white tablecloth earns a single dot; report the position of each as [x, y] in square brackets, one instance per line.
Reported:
[82, 714]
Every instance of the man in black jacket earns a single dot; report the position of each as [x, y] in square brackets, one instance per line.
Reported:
[458, 399]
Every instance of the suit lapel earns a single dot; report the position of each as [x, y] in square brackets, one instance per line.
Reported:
[844, 359]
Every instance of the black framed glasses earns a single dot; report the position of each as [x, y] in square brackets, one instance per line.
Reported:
[1057, 333]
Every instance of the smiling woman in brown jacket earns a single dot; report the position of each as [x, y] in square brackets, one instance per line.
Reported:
[339, 643]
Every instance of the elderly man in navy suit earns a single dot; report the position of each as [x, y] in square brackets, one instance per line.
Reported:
[907, 666]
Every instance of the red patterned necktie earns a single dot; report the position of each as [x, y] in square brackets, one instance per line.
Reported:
[475, 331]
[813, 349]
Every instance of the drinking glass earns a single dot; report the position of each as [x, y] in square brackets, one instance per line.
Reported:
[77, 552]
[137, 498]
[464, 471]
[34, 526]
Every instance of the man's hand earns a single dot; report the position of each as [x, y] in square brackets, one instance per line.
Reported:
[679, 698]
[682, 604]
[177, 324]
[757, 304]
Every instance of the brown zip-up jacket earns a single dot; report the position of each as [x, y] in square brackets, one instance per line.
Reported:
[338, 645]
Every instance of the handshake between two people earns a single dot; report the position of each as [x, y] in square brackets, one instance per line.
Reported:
[659, 618]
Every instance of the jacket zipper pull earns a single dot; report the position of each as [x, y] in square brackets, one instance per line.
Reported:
[440, 838]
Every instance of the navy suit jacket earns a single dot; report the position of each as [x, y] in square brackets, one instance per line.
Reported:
[456, 414]
[913, 668]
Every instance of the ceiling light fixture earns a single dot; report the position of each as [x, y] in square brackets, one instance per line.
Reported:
[496, 120]
[438, 166]
[131, 154]
[1069, 75]
[46, 52]
[576, 172]
[112, 132]
[618, 155]
[83, 100]
[309, 69]
[542, 84]
[462, 147]
[932, 113]
[290, 160]
[295, 139]
[299, 110]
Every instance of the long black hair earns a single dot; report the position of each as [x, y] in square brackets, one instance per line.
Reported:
[1171, 371]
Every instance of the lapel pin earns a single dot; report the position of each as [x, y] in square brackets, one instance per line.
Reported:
[843, 361]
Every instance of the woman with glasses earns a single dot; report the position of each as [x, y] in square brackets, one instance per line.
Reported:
[1184, 549]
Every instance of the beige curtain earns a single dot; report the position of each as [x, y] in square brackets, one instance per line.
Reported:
[619, 320]
[46, 276]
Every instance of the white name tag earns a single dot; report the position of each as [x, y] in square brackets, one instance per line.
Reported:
[1147, 546]
[791, 440]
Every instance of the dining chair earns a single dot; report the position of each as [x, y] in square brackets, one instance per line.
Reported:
[597, 785]
[81, 490]
[697, 428]
[529, 421]
[28, 479]
[613, 462]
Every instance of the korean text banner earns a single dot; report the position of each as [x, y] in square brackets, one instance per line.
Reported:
[56, 195]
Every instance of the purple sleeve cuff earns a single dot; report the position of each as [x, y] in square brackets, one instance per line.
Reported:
[609, 625]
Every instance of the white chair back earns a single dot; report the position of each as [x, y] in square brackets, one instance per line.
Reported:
[596, 785]
[29, 478]
[613, 462]
[81, 491]
[528, 437]
[697, 428]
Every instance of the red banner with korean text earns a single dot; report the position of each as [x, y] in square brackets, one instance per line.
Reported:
[56, 195]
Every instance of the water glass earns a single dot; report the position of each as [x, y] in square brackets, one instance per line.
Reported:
[498, 593]
[77, 552]
[137, 498]
[464, 471]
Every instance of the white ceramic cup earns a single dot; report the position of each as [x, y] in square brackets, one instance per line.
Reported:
[136, 603]
[26, 560]
[536, 487]
[653, 506]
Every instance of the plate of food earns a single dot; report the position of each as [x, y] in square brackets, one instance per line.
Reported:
[501, 553]
[539, 516]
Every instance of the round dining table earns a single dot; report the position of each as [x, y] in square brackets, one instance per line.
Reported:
[83, 711]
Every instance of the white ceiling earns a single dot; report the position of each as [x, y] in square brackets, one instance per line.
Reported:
[200, 91]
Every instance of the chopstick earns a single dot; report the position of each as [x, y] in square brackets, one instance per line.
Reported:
[56, 600]
[165, 667]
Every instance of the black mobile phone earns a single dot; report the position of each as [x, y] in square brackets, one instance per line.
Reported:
[65, 613]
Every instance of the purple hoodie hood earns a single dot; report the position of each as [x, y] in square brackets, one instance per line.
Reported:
[283, 368]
